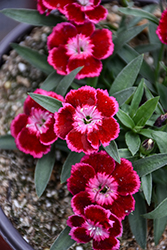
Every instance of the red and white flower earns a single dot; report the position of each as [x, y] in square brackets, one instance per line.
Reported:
[86, 119]
[71, 46]
[98, 179]
[80, 10]
[46, 6]
[97, 224]
[42, 8]
[34, 129]
[77, 11]
[162, 28]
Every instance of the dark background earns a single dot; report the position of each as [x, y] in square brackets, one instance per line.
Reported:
[7, 24]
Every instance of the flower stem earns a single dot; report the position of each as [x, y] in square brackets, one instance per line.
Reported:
[158, 64]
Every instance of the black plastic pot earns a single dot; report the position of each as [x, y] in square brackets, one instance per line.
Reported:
[14, 36]
[10, 238]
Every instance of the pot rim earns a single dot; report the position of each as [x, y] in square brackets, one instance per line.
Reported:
[11, 235]
[13, 36]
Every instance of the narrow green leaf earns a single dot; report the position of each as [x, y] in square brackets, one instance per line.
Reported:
[149, 164]
[160, 224]
[64, 241]
[159, 109]
[123, 95]
[140, 13]
[146, 181]
[124, 153]
[66, 81]
[33, 57]
[145, 111]
[112, 150]
[132, 141]
[136, 98]
[127, 53]
[136, 19]
[7, 142]
[125, 119]
[161, 139]
[92, 81]
[51, 81]
[127, 76]
[49, 103]
[138, 224]
[162, 91]
[159, 212]
[43, 171]
[145, 48]
[125, 36]
[72, 158]
[159, 177]
[32, 17]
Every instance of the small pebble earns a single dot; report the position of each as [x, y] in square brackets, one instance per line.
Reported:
[79, 248]
[22, 67]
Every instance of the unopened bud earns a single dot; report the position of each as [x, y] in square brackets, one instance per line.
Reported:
[147, 146]
[160, 120]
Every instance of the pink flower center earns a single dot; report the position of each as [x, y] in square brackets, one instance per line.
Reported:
[85, 2]
[87, 118]
[96, 231]
[79, 46]
[102, 189]
[37, 120]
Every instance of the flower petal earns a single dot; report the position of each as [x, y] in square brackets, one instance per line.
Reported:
[49, 136]
[58, 59]
[122, 206]
[93, 138]
[108, 131]
[100, 161]
[75, 221]
[18, 123]
[64, 120]
[96, 213]
[108, 244]
[82, 96]
[60, 34]
[97, 14]
[80, 201]
[106, 104]
[78, 142]
[74, 13]
[128, 180]
[86, 29]
[56, 4]
[79, 235]
[80, 174]
[102, 39]
[28, 142]
[116, 230]
[92, 67]
[162, 29]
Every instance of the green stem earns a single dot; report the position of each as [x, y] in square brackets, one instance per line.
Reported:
[158, 64]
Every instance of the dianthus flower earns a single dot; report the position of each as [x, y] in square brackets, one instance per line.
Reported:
[86, 119]
[41, 7]
[162, 28]
[46, 6]
[33, 130]
[97, 224]
[98, 179]
[78, 11]
[73, 46]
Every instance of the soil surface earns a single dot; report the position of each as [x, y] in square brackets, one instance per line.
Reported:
[39, 220]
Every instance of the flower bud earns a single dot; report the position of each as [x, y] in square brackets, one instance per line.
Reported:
[147, 146]
[160, 120]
